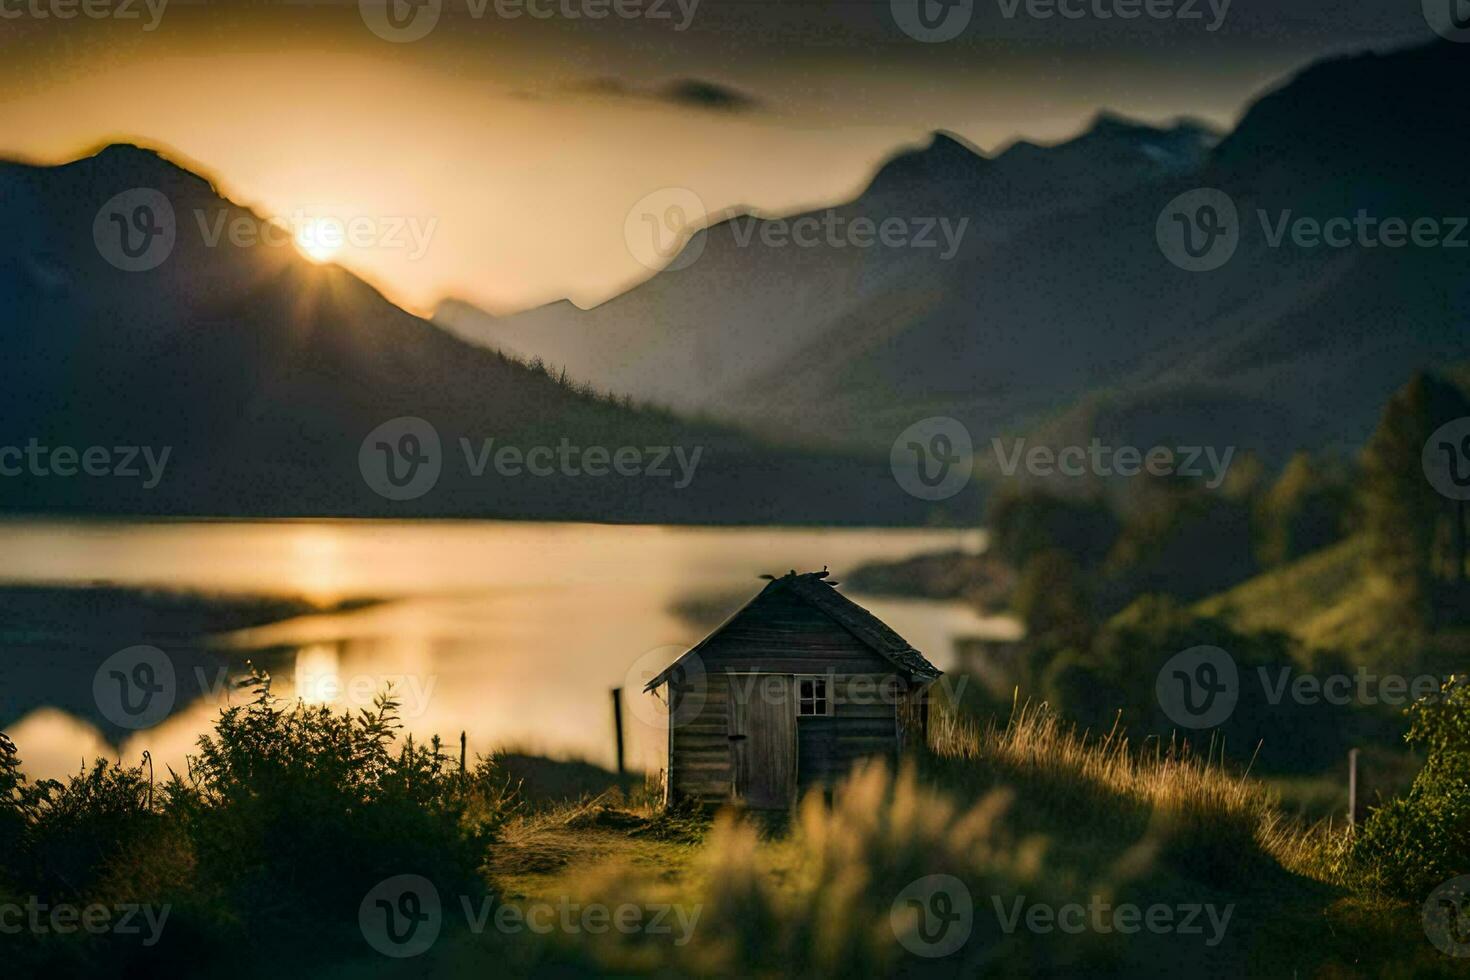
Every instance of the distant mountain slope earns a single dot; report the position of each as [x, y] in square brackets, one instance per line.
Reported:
[264, 374]
[1327, 600]
[1064, 318]
[696, 337]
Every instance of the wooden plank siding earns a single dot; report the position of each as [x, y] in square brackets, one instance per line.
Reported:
[862, 725]
[699, 746]
[784, 635]
[872, 706]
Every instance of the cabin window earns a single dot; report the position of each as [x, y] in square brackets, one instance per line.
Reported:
[812, 697]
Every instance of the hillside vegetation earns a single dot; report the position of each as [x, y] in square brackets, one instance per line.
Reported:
[1023, 815]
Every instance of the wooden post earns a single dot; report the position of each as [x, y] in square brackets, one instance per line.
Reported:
[1352, 787]
[617, 699]
[461, 750]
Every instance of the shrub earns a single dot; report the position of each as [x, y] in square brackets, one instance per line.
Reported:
[95, 840]
[1413, 843]
[13, 802]
[78, 832]
[290, 807]
[264, 848]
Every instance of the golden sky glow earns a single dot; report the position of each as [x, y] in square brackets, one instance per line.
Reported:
[482, 167]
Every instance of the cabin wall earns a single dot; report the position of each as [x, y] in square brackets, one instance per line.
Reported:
[862, 725]
[699, 743]
[781, 634]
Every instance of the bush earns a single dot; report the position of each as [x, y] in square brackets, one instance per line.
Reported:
[1413, 843]
[265, 847]
[13, 800]
[291, 806]
[76, 833]
[91, 841]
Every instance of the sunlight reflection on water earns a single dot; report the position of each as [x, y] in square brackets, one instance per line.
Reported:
[512, 632]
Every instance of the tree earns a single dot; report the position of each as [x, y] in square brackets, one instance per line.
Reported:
[1051, 600]
[1305, 510]
[1025, 524]
[1407, 520]
[1187, 541]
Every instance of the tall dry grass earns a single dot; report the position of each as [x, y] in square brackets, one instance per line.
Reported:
[817, 897]
[1202, 812]
[1030, 810]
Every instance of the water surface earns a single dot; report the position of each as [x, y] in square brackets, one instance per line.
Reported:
[514, 633]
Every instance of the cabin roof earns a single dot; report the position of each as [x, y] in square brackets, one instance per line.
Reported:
[813, 589]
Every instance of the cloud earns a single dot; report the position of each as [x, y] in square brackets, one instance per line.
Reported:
[687, 93]
[701, 94]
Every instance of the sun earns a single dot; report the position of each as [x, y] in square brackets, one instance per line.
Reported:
[320, 238]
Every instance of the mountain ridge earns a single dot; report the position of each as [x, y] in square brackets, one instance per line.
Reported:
[1061, 292]
[678, 340]
[264, 376]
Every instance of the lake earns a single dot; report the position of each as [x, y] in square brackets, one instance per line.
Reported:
[514, 633]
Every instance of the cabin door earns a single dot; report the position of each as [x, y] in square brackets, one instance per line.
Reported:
[763, 740]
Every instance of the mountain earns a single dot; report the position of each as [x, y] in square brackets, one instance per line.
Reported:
[1062, 317]
[695, 337]
[1287, 347]
[146, 313]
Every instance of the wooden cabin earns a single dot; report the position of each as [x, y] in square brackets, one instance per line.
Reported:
[787, 694]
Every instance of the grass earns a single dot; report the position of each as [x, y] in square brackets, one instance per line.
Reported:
[1325, 600]
[1030, 811]
[1334, 599]
[1199, 809]
[1027, 814]
[542, 856]
[1162, 819]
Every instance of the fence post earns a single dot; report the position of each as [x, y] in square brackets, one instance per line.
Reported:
[461, 750]
[1352, 787]
[617, 699]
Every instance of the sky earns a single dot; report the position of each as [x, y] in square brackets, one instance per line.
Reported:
[497, 158]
